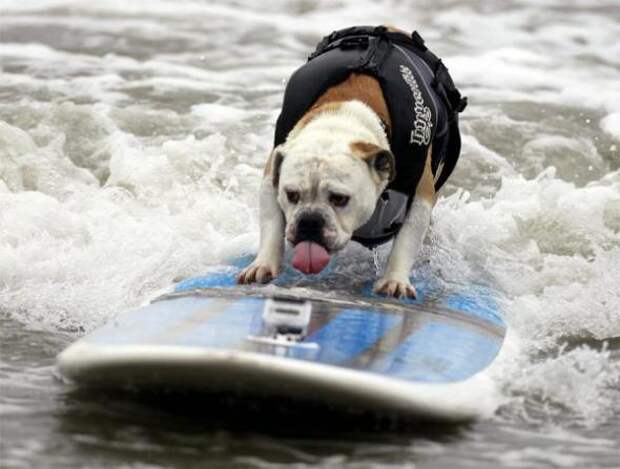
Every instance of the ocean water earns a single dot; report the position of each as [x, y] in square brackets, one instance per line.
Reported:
[132, 139]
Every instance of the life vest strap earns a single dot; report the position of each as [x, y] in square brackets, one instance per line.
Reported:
[358, 37]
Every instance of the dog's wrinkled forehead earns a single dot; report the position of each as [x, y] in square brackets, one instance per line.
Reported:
[315, 143]
[310, 170]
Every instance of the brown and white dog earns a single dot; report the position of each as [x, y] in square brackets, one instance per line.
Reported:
[324, 182]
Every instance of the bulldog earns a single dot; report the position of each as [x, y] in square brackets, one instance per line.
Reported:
[367, 135]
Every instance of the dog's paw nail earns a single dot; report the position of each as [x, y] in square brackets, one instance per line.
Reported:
[264, 274]
[256, 273]
[246, 276]
[395, 288]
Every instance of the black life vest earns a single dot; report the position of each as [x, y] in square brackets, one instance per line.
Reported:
[422, 101]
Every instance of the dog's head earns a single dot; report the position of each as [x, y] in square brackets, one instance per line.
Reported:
[329, 190]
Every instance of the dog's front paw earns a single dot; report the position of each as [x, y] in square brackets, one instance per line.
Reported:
[396, 286]
[258, 271]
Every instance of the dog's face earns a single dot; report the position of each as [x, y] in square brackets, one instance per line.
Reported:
[327, 191]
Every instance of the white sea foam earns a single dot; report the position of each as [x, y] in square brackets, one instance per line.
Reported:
[136, 159]
[611, 125]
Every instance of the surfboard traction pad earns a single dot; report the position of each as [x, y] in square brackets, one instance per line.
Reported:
[413, 358]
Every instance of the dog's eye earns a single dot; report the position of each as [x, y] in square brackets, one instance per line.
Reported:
[292, 196]
[338, 200]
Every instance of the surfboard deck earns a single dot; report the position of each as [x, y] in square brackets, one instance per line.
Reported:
[413, 358]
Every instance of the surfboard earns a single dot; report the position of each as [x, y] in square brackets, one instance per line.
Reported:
[411, 358]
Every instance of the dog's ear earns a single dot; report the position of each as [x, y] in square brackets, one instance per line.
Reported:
[379, 159]
[385, 164]
[273, 165]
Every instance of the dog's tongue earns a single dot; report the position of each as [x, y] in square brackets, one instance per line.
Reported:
[310, 258]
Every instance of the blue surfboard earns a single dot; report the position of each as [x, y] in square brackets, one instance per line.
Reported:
[416, 358]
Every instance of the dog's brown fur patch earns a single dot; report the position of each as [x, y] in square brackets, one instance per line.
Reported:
[426, 185]
[364, 149]
[272, 168]
[358, 87]
[394, 29]
[315, 111]
[367, 151]
[269, 165]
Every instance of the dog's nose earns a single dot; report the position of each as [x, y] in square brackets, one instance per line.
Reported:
[310, 228]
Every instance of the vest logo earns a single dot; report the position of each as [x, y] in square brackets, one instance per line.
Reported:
[422, 125]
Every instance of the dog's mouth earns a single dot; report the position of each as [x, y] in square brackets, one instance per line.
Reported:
[310, 257]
